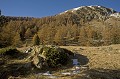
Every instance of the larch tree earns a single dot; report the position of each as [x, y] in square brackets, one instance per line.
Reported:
[17, 40]
[59, 38]
[107, 35]
[22, 32]
[36, 40]
[83, 36]
[28, 33]
[115, 35]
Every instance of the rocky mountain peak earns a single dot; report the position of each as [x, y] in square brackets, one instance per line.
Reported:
[93, 8]
[90, 12]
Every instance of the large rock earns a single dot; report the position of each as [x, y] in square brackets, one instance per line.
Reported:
[37, 61]
[49, 56]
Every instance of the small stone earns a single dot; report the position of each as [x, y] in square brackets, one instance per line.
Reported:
[66, 73]
[47, 73]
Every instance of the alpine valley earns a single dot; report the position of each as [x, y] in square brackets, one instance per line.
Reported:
[80, 43]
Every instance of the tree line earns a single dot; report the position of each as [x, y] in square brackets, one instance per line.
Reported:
[59, 30]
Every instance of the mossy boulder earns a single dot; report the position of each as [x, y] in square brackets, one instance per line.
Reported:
[55, 56]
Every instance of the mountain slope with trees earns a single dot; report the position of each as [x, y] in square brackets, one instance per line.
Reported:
[86, 26]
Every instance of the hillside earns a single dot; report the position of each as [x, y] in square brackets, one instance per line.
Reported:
[86, 26]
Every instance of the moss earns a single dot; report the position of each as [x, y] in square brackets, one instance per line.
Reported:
[55, 57]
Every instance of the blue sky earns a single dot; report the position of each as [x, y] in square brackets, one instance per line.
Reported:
[41, 8]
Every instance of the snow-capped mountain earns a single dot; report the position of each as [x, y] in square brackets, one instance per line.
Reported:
[92, 8]
[91, 12]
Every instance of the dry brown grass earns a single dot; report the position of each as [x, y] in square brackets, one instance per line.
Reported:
[103, 63]
[105, 57]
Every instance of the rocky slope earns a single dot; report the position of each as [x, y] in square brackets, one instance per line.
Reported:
[92, 12]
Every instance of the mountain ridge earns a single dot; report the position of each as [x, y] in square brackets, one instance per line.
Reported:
[91, 6]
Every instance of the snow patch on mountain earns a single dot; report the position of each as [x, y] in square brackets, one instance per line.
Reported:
[63, 12]
[116, 15]
[78, 8]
